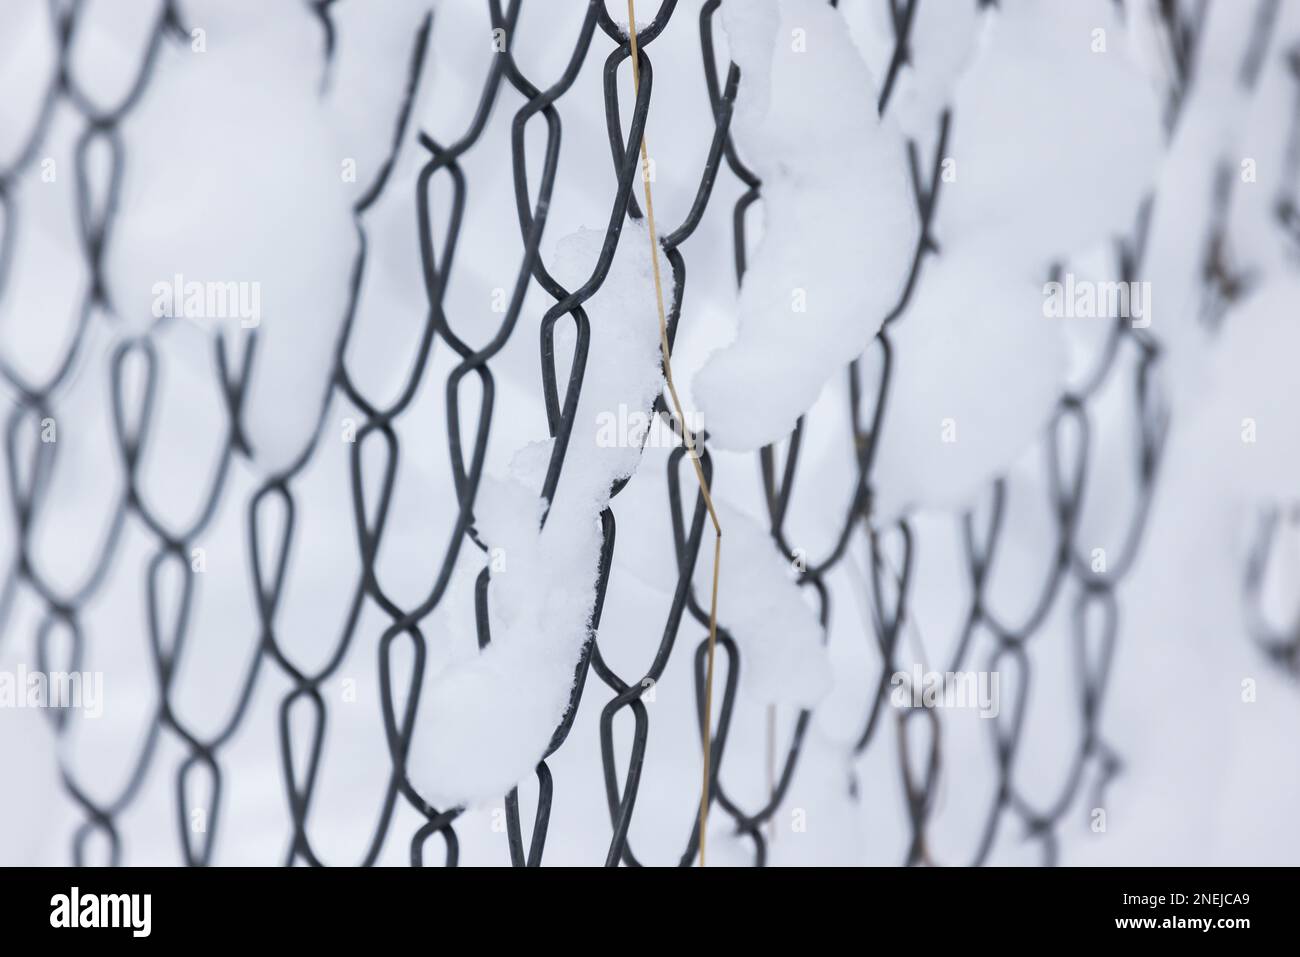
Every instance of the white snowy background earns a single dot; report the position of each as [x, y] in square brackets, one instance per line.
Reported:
[231, 170]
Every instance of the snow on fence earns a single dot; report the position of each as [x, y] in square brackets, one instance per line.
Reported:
[392, 574]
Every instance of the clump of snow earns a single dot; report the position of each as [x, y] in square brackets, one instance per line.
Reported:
[939, 47]
[40, 277]
[839, 221]
[368, 77]
[235, 183]
[27, 65]
[1246, 426]
[1183, 217]
[485, 721]
[29, 751]
[977, 370]
[1056, 133]
[822, 797]
[782, 660]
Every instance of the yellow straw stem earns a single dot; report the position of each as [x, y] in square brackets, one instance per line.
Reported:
[688, 436]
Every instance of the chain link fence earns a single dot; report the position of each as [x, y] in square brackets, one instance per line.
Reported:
[197, 766]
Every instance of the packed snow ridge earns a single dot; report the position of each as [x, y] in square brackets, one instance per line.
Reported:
[839, 221]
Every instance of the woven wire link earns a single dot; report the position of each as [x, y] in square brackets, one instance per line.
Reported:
[1129, 356]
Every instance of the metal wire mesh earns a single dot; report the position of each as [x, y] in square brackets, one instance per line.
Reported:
[1128, 358]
